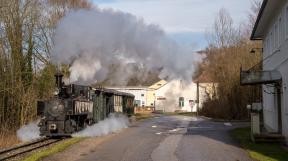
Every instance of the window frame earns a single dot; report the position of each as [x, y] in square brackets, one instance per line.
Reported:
[286, 22]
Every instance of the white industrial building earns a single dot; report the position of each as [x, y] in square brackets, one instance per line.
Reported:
[169, 96]
[179, 96]
[272, 28]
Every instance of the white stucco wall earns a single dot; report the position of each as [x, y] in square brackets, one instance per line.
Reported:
[275, 45]
[167, 97]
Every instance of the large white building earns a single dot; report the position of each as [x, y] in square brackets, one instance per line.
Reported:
[179, 96]
[272, 28]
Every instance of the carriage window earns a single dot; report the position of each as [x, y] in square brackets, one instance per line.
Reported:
[286, 23]
[81, 92]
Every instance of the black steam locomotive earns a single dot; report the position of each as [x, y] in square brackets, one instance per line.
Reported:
[76, 106]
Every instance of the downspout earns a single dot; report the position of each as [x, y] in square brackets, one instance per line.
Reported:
[279, 102]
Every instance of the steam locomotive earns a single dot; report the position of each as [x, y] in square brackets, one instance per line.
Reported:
[74, 107]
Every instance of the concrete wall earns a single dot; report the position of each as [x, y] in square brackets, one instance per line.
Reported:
[276, 48]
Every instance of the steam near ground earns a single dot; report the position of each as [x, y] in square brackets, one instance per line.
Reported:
[113, 123]
[29, 132]
[172, 91]
[94, 41]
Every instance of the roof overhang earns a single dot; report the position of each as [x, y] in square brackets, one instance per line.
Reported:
[264, 17]
[260, 77]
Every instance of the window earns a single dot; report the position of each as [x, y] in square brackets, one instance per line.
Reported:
[271, 42]
[181, 101]
[286, 21]
[142, 95]
[276, 36]
[280, 31]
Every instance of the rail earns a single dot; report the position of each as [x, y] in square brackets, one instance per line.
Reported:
[25, 148]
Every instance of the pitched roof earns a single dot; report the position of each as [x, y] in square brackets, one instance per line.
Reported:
[266, 14]
[158, 84]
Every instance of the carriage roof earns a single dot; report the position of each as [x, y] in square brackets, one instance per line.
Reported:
[114, 92]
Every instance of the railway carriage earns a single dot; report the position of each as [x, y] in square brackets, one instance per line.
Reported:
[76, 106]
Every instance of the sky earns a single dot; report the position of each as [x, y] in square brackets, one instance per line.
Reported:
[186, 21]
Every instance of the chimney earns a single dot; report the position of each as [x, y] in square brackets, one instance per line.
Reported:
[58, 79]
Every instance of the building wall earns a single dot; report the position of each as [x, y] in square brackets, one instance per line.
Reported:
[150, 99]
[167, 97]
[275, 44]
[151, 95]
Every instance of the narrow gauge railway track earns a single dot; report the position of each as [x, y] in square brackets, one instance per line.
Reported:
[25, 148]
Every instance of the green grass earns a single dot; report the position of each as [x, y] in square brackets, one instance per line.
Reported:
[187, 113]
[143, 116]
[259, 151]
[52, 150]
[180, 113]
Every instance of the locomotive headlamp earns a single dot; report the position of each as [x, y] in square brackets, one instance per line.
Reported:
[56, 91]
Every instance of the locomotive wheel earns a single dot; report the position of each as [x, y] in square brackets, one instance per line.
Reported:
[70, 126]
[87, 123]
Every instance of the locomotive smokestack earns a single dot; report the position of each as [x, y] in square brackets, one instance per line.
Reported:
[58, 79]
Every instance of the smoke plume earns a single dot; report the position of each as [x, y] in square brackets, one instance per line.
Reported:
[93, 41]
[113, 123]
[29, 132]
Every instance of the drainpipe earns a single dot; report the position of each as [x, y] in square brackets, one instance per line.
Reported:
[279, 102]
[197, 110]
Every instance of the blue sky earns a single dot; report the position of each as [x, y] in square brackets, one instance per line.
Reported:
[186, 21]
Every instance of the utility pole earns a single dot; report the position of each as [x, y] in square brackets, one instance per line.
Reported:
[197, 95]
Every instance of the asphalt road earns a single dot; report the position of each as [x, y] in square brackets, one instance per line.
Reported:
[171, 138]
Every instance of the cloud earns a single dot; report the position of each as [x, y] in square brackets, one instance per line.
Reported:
[180, 15]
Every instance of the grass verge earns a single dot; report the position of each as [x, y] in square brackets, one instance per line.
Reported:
[142, 116]
[187, 113]
[180, 113]
[52, 150]
[259, 151]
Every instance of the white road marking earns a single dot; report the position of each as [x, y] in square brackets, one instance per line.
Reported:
[174, 130]
[166, 150]
[227, 124]
[154, 126]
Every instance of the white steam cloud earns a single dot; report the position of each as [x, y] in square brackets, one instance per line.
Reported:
[29, 132]
[92, 41]
[172, 91]
[113, 123]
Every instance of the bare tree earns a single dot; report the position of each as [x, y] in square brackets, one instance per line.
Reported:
[26, 31]
[228, 51]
